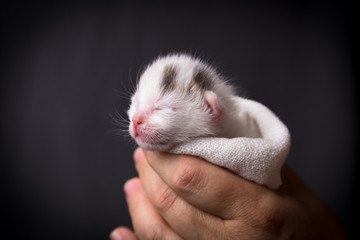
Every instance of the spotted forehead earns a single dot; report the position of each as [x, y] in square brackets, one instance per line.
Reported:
[203, 80]
[168, 82]
[200, 80]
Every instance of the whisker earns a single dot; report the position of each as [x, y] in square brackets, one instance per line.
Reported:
[117, 118]
[123, 94]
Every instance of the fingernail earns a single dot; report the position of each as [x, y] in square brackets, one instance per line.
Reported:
[131, 186]
[139, 155]
[115, 235]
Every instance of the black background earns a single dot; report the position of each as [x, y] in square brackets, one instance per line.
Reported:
[64, 64]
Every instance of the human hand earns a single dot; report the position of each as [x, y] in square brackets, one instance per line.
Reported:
[185, 197]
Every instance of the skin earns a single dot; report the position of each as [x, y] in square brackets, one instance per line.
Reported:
[185, 197]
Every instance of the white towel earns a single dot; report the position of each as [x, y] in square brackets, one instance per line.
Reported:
[256, 159]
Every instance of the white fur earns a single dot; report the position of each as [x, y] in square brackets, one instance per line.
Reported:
[176, 116]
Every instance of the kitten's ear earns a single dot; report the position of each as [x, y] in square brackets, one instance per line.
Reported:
[212, 102]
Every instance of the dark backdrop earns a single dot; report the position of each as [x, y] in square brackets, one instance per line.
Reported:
[63, 66]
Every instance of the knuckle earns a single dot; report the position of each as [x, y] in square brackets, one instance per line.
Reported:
[156, 232]
[270, 216]
[188, 178]
[164, 197]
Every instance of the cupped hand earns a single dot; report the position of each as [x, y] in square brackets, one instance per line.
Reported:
[185, 197]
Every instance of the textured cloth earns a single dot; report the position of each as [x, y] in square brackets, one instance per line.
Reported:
[258, 159]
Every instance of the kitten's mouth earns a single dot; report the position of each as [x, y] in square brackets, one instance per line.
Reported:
[150, 138]
[152, 142]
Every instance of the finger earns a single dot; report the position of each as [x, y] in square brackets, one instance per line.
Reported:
[147, 223]
[186, 220]
[123, 233]
[208, 187]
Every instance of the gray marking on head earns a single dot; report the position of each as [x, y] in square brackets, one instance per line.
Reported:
[203, 80]
[168, 81]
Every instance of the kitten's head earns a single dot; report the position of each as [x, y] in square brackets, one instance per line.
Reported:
[175, 101]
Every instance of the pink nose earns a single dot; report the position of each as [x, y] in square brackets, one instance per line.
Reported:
[136, 122]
